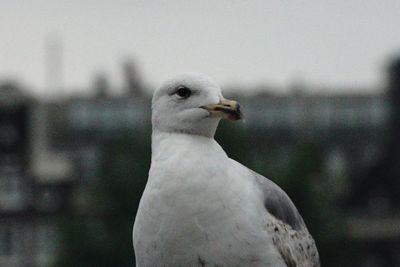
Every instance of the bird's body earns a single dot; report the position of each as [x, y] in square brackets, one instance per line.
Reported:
[201, 208]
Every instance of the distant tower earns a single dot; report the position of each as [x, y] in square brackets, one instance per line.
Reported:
[54, 66]
[133, 81]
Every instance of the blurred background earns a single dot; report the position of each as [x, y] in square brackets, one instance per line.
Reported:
[319, 83]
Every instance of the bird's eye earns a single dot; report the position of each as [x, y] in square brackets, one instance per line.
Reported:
[183, 92]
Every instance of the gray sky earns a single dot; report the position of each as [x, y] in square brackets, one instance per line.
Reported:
[344, 43]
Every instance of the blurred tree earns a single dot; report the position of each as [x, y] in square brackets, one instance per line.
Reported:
[102, 235]
[298, 169]
[303, 180]
[11, 93]
[101, 85]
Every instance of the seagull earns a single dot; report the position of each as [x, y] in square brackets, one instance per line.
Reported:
[202, 208]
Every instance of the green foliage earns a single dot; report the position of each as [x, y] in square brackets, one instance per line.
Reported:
[102, 236]
[298, 169]
[305, 183]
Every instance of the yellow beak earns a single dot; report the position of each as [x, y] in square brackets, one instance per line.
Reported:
[226, 109]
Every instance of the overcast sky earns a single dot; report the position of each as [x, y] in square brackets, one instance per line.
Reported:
[344, 43]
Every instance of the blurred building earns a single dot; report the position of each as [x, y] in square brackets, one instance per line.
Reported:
[33, 182]
[359, 138]
[375, 188]
[84, 124]
[349, 127]
[50, 155]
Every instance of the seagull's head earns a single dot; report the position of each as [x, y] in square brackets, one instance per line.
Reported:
[192, 104]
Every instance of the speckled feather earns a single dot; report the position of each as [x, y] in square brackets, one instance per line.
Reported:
[287, 228]
[297, 247]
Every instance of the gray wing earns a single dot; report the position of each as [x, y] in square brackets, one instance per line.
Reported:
[288, 230]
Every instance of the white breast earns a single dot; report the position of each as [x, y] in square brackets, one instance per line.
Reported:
[199, 212]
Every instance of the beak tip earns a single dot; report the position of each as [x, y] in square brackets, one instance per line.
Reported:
[227, 109]
[239, 111]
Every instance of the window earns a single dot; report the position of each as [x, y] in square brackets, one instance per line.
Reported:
[11, 195]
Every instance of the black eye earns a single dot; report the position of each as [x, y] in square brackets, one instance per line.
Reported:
[183, 92]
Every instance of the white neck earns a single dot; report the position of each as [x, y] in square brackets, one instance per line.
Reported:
[191, 122]
[161, 139]
[163, 144]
